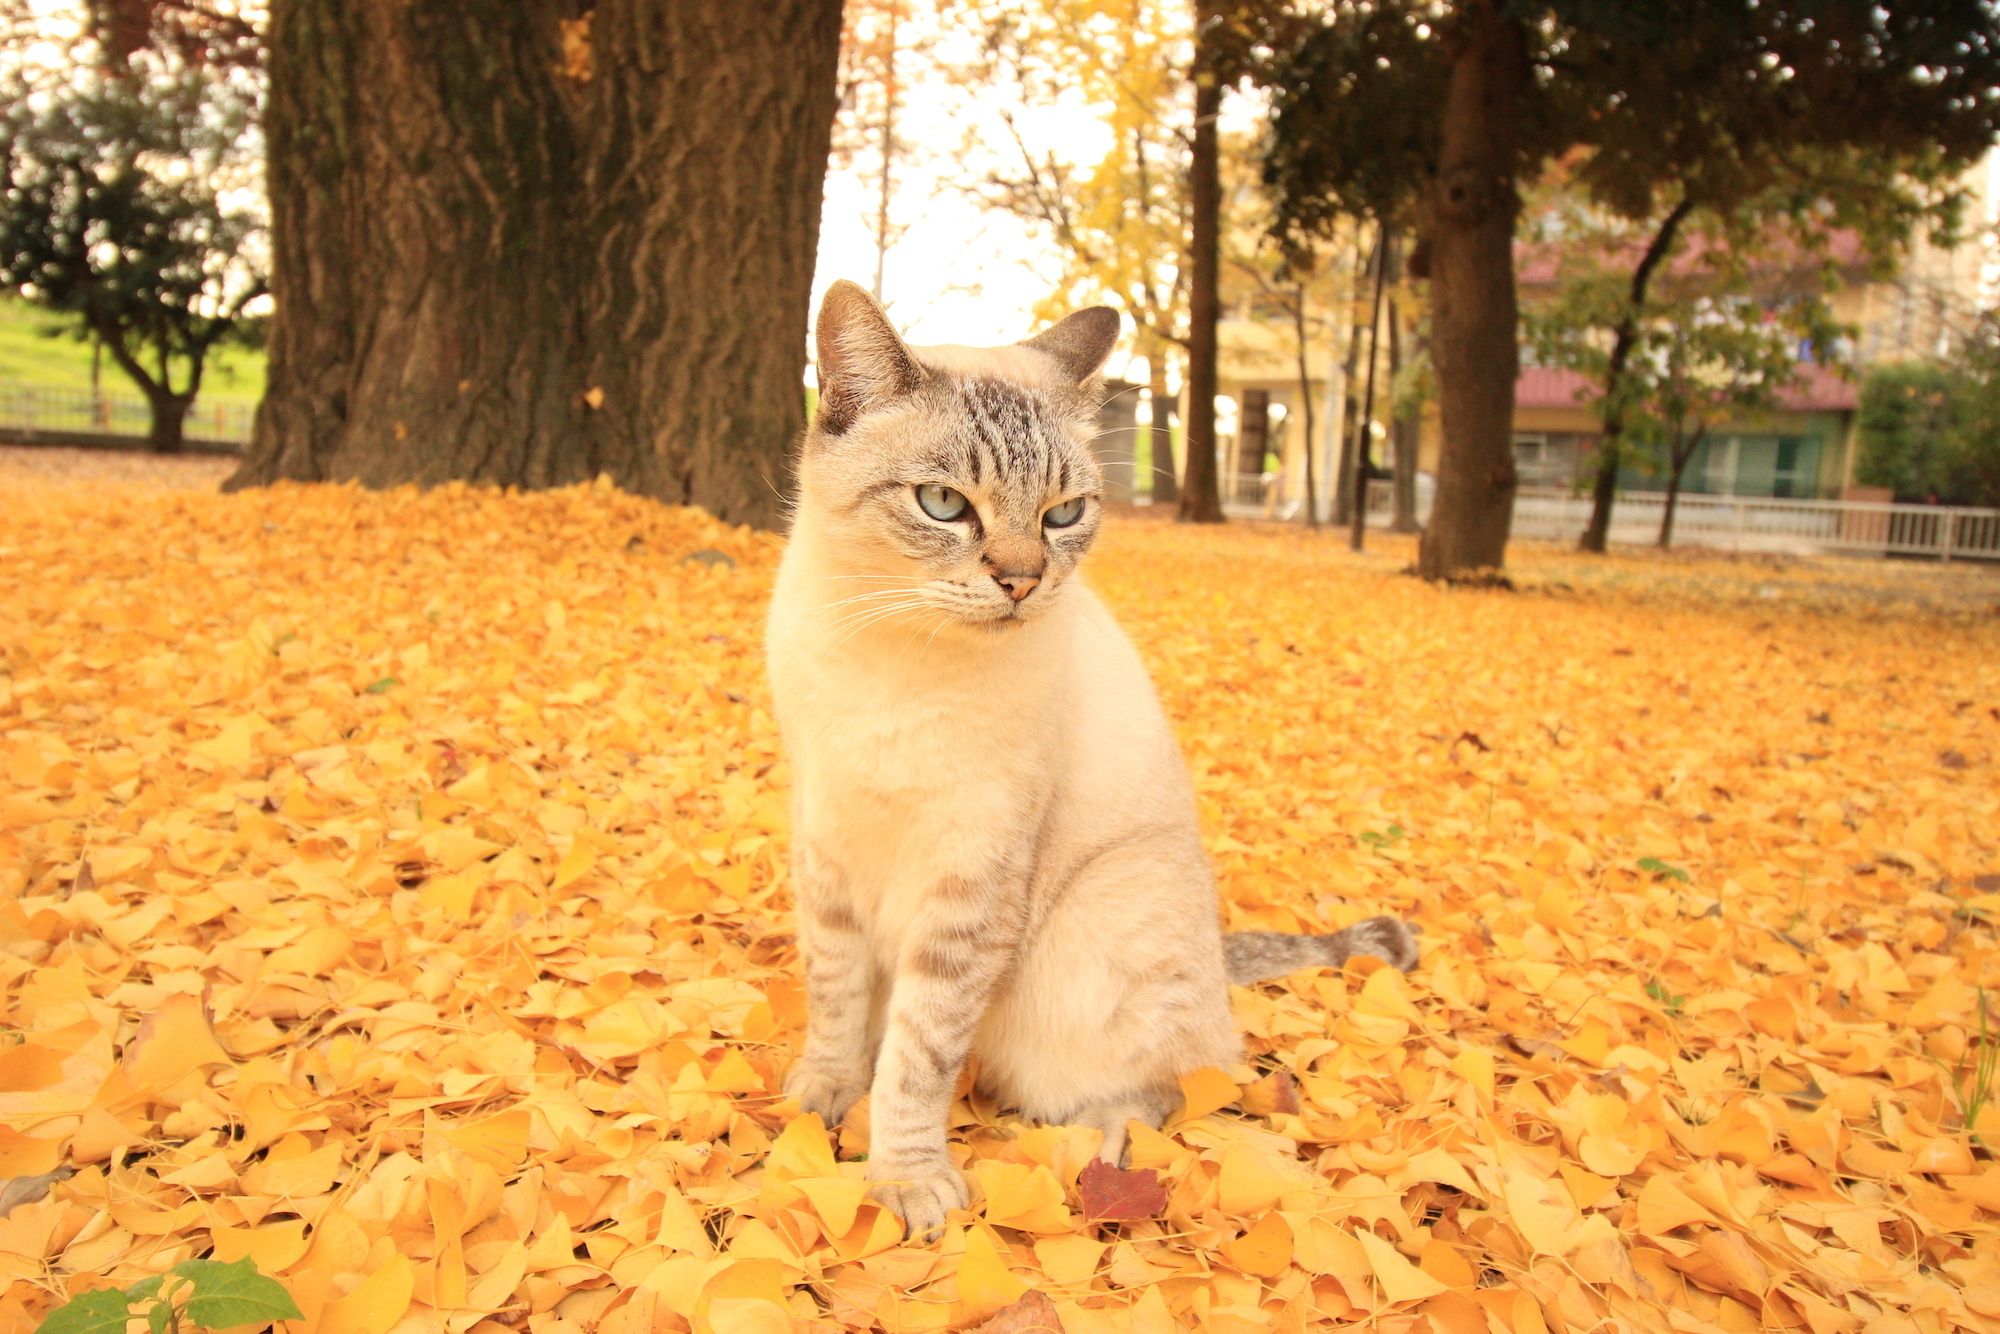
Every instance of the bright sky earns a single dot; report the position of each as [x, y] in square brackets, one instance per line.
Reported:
[956, 272]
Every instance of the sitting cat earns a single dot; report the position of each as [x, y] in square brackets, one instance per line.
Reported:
[995, 838]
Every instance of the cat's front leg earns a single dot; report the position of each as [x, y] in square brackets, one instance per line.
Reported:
[958, 949]
[834, 1070]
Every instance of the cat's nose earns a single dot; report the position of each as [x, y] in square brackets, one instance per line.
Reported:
[1018, 586]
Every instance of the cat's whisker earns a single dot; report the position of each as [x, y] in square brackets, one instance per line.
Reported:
[855, 622]
[869, 596]
[850, 636]
[874, 601]
[943, 621]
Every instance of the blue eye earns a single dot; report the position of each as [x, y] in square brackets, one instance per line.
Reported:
[942, 503]
[1065, 514]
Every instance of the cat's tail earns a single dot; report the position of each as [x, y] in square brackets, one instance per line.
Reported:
[1258, 956]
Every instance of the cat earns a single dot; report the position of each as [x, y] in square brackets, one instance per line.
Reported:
[995, 843]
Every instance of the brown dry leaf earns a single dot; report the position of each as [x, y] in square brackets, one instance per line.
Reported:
[1109, 1192]
[393, 889]
[1033, 1314]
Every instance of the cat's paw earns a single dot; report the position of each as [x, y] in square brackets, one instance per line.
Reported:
[828, 1092]
[920, 1195]
[1386, 938]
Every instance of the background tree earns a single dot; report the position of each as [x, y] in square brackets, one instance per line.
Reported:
[1707, 322]
[1443, 111]
[1909, 414]
[124, 210]
[1716, 358]
[531, 242]
[1930, 431]
[1121, 223]
[1201, 494]
[1822, 211]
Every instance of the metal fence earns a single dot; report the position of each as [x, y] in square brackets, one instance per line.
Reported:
[1750, 523]
[29, 409]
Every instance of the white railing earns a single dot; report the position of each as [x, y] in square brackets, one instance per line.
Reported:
[1750, 523]
[1259, 495]
[31, 408]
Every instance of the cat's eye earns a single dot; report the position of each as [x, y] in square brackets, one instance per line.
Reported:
[942, 503]
[1065, 514]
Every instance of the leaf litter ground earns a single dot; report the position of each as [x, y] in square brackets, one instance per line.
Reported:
[392, 892]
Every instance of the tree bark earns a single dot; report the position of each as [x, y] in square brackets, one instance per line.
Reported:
[1468, 215]
[1364, 438]
[1350, 402]
[1403, 433]
[1680, 459]
[1306, 403]
[169, 430]
[1604, 489]
[1201, 497]
[526, 242]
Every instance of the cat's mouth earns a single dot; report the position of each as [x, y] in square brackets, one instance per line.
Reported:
[1014, 616]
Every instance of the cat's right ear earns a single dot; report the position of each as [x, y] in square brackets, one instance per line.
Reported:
[863, 365]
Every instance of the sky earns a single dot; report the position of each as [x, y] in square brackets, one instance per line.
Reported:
[956, 272]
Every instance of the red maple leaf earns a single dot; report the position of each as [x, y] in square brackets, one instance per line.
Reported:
[1111, 1193]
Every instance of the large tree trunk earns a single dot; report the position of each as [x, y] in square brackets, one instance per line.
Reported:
[527, 241]
[1610, 449]
[1469, 221]
[1201, 497]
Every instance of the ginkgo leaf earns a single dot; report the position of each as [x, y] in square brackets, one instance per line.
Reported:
[984, 1282]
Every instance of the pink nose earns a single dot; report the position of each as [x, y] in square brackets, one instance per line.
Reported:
[1018, 586]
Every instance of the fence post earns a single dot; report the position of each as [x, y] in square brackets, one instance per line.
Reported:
[1738, 536]
[1946, 520]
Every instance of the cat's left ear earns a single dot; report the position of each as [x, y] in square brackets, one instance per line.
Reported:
[1080, 343]
[863, 365]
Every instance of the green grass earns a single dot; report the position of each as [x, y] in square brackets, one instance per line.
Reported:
[29, 355]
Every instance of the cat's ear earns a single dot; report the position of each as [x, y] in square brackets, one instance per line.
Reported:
[862, 363]
[1080, 343]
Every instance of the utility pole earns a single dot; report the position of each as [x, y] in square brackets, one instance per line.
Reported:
[1364, 433]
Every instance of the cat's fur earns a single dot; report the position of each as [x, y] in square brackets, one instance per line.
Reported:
[995, 838]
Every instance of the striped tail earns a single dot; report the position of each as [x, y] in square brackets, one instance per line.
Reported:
[1258, 956]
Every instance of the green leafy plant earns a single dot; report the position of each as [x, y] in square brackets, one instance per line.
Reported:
[1660, 868]
[1972, 1075]
[1665, 997]
[206, 1294]
[1381, 841]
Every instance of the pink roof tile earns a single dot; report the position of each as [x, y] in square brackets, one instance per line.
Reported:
[1820, 390]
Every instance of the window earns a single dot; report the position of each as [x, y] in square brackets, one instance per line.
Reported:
[1545, 459]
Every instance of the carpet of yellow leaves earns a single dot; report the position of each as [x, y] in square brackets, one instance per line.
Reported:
[392, 890]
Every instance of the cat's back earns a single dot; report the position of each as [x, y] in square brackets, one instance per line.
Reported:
[1121, 765]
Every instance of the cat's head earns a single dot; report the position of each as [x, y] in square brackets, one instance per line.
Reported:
[950, 483]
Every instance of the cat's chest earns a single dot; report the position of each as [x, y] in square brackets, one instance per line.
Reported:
[867, 728]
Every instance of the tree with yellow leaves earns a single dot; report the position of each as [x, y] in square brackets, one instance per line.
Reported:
[1121, 223]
